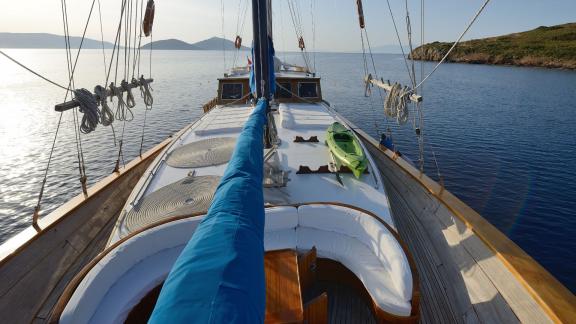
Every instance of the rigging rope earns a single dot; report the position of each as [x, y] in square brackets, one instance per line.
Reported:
[33, 72]
[368, 89]
[240, 22]
[312, 10]
[297, 22]
[453, 45]
[223, 36]
[36, 214]
[398, 37]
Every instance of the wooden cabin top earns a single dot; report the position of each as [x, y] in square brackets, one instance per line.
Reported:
[293, 84]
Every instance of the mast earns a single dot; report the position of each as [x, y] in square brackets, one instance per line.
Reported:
[262, 34]
[263, 63]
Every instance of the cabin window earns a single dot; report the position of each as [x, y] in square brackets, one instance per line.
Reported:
[284, 90]
[307, 90]
[232, 91]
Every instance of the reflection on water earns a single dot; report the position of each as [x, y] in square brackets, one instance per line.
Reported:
[503, 135]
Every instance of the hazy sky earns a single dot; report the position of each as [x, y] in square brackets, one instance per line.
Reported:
[335, 20]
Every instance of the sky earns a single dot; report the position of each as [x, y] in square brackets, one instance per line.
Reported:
[335, 21]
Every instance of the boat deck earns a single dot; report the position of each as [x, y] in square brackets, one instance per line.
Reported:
[461, 279]
[287, 185]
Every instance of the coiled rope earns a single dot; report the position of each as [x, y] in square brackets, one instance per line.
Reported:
[106, 114]
[130, 103]
[145, 92]
[396, 103]
[123, 112]
[89, 109]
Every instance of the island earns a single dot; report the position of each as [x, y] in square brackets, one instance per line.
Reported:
[211, 44]
[44, 40]
[551, 47]
[51, 41]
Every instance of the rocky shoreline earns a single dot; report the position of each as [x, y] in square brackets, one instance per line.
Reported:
[431, 53]
[548, 47]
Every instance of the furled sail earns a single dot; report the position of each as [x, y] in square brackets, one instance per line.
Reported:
[219, 277]
[271, 71]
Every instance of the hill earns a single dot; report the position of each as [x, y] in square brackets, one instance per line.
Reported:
[170, 44]
[553, 47]
[214, 44]
[388, 49]
[43, 40]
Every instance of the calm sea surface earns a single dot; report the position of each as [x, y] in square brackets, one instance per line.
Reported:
[503, 136]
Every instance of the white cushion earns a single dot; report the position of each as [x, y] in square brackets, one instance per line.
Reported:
[369, 231]
[280, 240]
[304, 116]
[281, 218]
[358, 241]
[134, 285]
[361, 261]
[123, 260]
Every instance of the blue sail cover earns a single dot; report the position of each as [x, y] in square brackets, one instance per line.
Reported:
[271, 55]
[219, 277]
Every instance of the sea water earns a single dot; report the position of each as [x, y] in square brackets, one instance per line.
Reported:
[503, 137]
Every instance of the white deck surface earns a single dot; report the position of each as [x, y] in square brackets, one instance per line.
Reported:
[292, 119]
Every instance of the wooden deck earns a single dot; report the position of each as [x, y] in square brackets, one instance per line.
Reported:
[462, 279]
[283, 295]
[345, 305]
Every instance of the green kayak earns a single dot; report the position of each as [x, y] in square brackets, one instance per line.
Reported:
[346, 149]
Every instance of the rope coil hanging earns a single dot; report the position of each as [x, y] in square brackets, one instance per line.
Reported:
[89, 109]
[123, 113]
[146, 92]
[106, 114]
[130, 102]
[396, 103]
